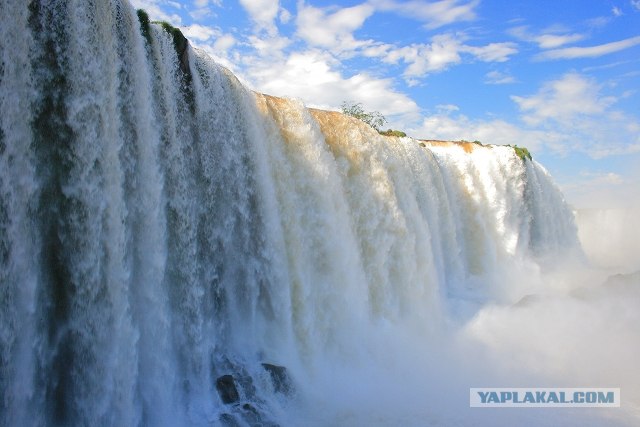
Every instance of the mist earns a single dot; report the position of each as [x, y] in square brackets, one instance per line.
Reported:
[579, 329]
[610, 238]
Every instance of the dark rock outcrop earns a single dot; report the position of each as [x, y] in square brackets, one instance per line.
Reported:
[251, 415]
[180, 42]
[228, 420]
[227, 389]
[143, 17]
[279, 377]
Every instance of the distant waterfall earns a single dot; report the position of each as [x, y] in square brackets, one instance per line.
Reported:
[162, 226]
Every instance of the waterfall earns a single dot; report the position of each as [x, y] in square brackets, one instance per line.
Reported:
[162, 226]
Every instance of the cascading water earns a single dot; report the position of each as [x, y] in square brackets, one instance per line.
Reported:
[162, 226]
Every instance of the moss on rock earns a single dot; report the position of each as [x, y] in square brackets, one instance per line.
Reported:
[391, 132]
[180, 42]
[181, 45]
[521, 152]
[143, 17]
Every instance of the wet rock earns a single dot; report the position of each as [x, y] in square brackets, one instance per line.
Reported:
[279, 377]
[242, 379]
[251, 415]
[228, 420]
[227, 390]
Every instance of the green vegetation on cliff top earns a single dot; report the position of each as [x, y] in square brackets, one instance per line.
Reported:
[356, 110]
[391, 132]
[180, 42]
[521, 152]
[180, 45]
[143, 17]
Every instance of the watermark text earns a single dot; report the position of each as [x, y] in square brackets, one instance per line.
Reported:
[544, 397]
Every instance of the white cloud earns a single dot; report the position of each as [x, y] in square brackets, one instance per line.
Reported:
[591, 51]
[602, 151]
[443, 51]
[201, 14]
[155, 10]
[449, 124]
[597, 189]
[447, 108]
[434, 14]
[199, 32]
[616, 11]
[566, 115]
[312, 77]
[603, 177]
[493, 52]
[549, 39]
[635, 4]
[377, 50]
[561, 100]
[498, 78]
[332, 28]
[605, 66]
[285, 16]
[575, 106]
[205, 3]
[202, 9]
[599, 22]
[263, 13]
[272, 48]
[224, 43]
[265, 63]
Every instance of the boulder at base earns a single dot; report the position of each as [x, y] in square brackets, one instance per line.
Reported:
[227, 389]
[279, 377]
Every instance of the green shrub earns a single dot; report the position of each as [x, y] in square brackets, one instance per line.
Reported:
[521, 152]
[179, 40]
[180, 45]
[373, 119]
[143, 17]
[391, 132]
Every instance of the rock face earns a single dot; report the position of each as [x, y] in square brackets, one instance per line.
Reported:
[279, 377]
[180, 42]
[228, 420]
[227, 390]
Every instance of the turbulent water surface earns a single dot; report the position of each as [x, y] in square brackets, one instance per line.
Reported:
[162, 226]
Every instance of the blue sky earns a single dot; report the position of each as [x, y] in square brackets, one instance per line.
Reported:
[559, 77]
